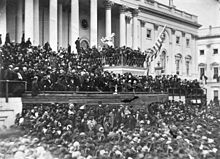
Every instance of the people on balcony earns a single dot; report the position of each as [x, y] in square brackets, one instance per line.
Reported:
[66, 71]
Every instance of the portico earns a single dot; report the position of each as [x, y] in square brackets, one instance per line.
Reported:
[136, 24]
[61, 22]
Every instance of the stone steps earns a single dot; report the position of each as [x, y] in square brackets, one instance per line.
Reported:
[8, 111]
[7, 117]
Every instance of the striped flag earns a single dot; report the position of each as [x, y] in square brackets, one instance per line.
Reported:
[157, 46]
[152, 53]
[160, 40]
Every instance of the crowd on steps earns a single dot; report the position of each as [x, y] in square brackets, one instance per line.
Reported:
[170, 130]
[46, 70]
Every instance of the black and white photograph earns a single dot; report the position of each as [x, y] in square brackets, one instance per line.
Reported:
[109, 79]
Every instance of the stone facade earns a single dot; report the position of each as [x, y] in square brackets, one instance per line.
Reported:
[209, 59]
[136, 24]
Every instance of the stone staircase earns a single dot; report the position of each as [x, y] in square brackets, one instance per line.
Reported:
[8, 111]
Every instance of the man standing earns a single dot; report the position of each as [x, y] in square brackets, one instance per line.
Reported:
[35, 86]
[77, 42]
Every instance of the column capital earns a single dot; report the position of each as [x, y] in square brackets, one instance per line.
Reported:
[108, 4]
[135, 12]
[123, 8]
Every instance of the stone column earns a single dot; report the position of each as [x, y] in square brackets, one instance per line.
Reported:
[53, 24]
[74, 29]
[36, 40]
[29, 20]
[194, 65]
[60, 29]
[19, 20]
[93, 22]
[183, 42]
[122, 25]
[108, 18]
[135, 29]
[3, 22]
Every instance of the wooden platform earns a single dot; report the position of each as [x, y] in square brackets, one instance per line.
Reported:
[93, 98]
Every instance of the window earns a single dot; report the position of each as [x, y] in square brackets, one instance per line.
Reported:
[187, 68]
[187, 42]
[215, 51]
[148, 33]
[215, 73]
[202, 72]
[202, 52]
[84, 24]
[177, 67]
[215, 95]
[177, 40]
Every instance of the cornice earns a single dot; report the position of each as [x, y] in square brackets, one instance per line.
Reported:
[158, 13]
[209, 37]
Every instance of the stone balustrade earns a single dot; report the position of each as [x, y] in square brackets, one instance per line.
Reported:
[168, 9]
[211, 31]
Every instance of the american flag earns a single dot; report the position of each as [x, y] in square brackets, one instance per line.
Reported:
[153, 52]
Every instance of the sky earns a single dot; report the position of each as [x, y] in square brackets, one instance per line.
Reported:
[208, 11]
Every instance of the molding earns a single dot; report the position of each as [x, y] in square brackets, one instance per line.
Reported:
[170, 17]
[208, 37]
[135, 12]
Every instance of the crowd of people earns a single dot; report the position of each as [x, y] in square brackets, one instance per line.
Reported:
[72, 131]
[46, 70]
[162, 130]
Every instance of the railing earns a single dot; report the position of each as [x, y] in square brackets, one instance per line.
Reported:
[197, 94]
[123, 61]
[212, 31]
[169, 9]
[12, 88]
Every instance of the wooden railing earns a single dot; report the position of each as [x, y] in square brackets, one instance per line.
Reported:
[197, 94]
[12, 88]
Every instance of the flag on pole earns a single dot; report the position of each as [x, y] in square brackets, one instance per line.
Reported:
[152, 53]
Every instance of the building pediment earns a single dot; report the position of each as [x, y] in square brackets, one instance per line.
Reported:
[214, 64]
[178, 56]
[202, 65]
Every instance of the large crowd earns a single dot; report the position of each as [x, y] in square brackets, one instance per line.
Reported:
[46, 70]
[162, 130]
[170, 130]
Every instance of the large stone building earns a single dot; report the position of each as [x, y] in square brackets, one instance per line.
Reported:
[136, 24]
[209, 60]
